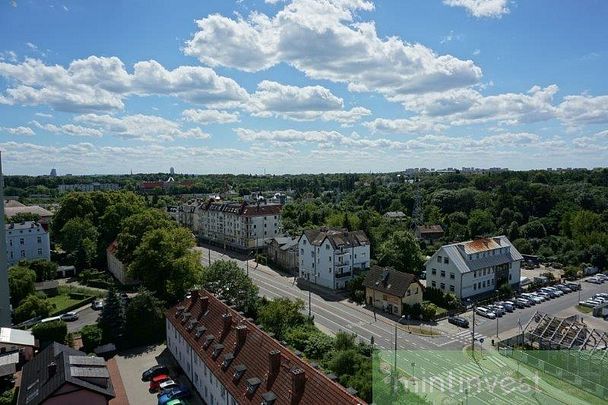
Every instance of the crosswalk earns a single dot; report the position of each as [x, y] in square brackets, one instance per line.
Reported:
[464, 337]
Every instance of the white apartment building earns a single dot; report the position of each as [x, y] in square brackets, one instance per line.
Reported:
[27, 240]
[239, 225]
[474, 268]
[189, 214]
[116, 267]
[95, 186]
[328, 257]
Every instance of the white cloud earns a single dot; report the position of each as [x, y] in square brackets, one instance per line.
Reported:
[138, 126]
[27, 131]
[301, 103]
[44, 115]
[404, 126]
[205, 117]
[69, 129]
[580, 110]
[9, 56]
[101, 84]
[321, 39]
[482, 8]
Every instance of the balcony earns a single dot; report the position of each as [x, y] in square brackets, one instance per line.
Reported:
[344, 274]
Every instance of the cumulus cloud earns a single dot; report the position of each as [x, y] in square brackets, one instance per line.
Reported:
[205, 117]
[482, 8]
[27, 131]
[102, 83]
[322, 39]
[414, 125]
[139, 126]
[69, 129]
[583, 109]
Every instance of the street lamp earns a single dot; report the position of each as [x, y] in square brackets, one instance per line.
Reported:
[395, 365]
[247, 261]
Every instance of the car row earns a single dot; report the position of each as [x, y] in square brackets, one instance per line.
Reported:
[498, 309]
[168, 391]
[597, 300]
[599, 278]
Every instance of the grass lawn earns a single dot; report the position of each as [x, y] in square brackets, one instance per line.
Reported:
[62, 301]
[584, 309]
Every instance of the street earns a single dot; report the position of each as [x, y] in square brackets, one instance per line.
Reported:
[333, 316]
[86, 316]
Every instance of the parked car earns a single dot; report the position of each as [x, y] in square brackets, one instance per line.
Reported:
[585, 303]
[177, 402]
[69, 316]
[594, 280]
[485, 312]
[537, 298]
[526, 301]
[458, 321]
[564, 288]
[497, 309]
[157, 380]
[154, 371]
[175, 393]
[549, 293]
[573, 286]
[97, 305]
[507, 305]
[521, 303]
[168, 385]
[556, 291]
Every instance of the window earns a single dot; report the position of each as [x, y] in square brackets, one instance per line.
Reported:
[433, 284]
[39, 239]
[39, 252]
[21, 241]
[438, 259]
[416, 290]
[474, 286]
[434, 271]
[23, 253]
[484, 284]
[479, 285]
[446, 260]
[442, 286]
[451, 288]
[442, 273]
[10, 242]
[326, 247]
[452, 276]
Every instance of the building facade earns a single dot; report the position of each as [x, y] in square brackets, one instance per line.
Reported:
[283, 251]
[116, 267]
[388, 289]
[95, 186]
[229, 360]
[189, 214]
[27, 240]
[474, 268]
[429, 233]
[329, 257]
[239, 225]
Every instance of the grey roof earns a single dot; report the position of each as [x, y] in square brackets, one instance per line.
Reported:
[395, 214]
[37, 385]
[388, 280]
[17, 337]
[429, 229]
[34, 209]
[337, 237]
[458, 253]
[285, 242]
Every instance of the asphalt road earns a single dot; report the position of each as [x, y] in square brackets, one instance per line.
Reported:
[86, 316]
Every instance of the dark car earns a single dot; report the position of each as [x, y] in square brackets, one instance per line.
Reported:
[458, 321]
[573, 286]
[154, 371]
[173, 393]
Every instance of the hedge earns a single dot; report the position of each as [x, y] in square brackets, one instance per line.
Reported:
[73, 307]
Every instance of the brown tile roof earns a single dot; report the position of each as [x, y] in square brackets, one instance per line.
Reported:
[481, 245]
[255, 353]
[337, 237]
[426, 229]
[388, 280]
[244, 209]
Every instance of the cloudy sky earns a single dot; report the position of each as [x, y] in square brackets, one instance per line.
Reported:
[248, 86]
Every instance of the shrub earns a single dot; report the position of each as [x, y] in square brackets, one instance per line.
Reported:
[48, 332]
[318, 345]
[91, 337]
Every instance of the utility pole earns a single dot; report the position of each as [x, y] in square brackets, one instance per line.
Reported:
[209, 255]
[473, 332]
[5, 306]
[393, 380]
[497, 329]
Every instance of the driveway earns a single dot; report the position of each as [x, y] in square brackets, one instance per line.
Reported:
[132, 363]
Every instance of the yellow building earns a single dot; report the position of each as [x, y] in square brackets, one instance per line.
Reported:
[388, 289]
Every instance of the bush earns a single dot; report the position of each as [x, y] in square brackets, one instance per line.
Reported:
[9, 397]
[48, 332]
[318, 345]
[429, 311]
[91, 337]
[31, 307]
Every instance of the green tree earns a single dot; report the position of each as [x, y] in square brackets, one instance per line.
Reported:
[44, 269]
[135, 227]
[229, 282]
[49, 332]
[33, 306]
[597, 256]
[111, 221]
[74, 206]
[280, 314]
[145, 319]
[165, 263]
[402, 252]
[344, 341]
[318, 345]
[429, 310]
[480, 223]
[75, 231]
[112, 319]
[91, 336]
[23, 217]
[20, 283]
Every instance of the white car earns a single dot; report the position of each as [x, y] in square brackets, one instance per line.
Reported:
[486, 313]
[594, 280]
[556, 291]
[537, 298]
[167, 385]
[586, 303]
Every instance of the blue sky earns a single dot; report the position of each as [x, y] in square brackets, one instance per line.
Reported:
[302, 86]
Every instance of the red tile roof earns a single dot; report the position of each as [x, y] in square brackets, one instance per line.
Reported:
[112, 247]
[244, 209]
[256, 354]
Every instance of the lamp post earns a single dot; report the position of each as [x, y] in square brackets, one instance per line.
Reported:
[247, 261]
[395, 359]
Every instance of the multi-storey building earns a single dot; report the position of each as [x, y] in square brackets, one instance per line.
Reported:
[95, 186]
[27, 240]
[329, 257]
[475, 268]
[239, 225]
[116, 267]
[229, 360]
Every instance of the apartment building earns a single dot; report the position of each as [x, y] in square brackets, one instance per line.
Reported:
[229, 360]
[239, 225]
[474, 268]
[329, 257]
[27, 240]
[189, 214]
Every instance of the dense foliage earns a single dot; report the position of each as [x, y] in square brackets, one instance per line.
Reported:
[48, 332]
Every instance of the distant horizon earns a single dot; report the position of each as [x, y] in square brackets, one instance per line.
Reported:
[302, 86]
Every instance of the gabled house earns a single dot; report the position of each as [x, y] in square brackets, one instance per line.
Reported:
[474, 268]
[65, 376]
[388, 289]
[330, 257]
[283, 251]
[429, 233]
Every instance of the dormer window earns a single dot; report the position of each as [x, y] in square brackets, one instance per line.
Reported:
[179, 310]
[208, 341]
[252, 385]
[238, 372]
[268, 398]
[191, 324]
[199, 331]
[217, 349]
[227, 360]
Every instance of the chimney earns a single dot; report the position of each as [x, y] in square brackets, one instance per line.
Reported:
[298, 379]
[227, 319]
[204, 303]
[274, 362]
[193, 298]
[241, 334]
[52, 369]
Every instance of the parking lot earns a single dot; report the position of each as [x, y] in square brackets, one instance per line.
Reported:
[133, 362]
[509, 323]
